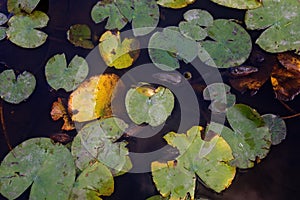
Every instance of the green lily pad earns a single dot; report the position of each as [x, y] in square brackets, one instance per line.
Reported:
[240, 4]
[276, 126]
[157, 197]
[220, 95]
[3, 19]
[59, 75]
[96, 141]
[95, 181]
[48, 168]
[173, 180]
[2, 33]
[17, 6]
[80, 35]
[148, 105]
[175, 3]
[230, 45]
[143, 14]
[194, 26]
[168, 47]
[208, 159]
[116, 53]
[281, 21]
[22, 29]
[15, 90]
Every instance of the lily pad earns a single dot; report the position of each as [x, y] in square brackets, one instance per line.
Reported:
[281, 21]
[149, 105]
[173, 180]
[92, 99]
[59, 75]
[175, 3]
[240, 4]
[96, 141]
[194, 26]
[17, 6]
[158, 197]
[48, 168]
[116, 53]
[276, 126]
[208, 159]
[230, 45]
[3, 19]
[95, 181]
[80, 35]
[168, 47]
[2, 33]
[143, 14]
[15, 90]
[219, 94]
[23, 32]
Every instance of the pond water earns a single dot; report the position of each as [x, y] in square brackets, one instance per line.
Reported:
[276, 177]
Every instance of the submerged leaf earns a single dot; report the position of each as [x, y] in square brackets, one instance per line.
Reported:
[290, 61]
[175, 3]
[80, 35]
[145, 104]
[92, 99]
[95, 181]
[22, 29]
[17, 6]
[276, 126]
[173, 180]
[281, 21]
[15, 90]
[59, 75]
[96, 141]
[116, 53]
[48, 167]
[240, 4]
[230, 45]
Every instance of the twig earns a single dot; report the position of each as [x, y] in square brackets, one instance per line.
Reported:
[287, 107]
[291, 116]
[4, 127]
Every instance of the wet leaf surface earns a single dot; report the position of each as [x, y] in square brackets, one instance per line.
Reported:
[16, 89]
[290, 61]
[80, 35]
[17, 6]
[48, 168]
[59, 75]
[96, 141]
[175, 3]
[168, 47]
[276, 126]
[145, 104]
[116, 53]
[173, 180]
[92, 99]
[208, 159]
[22, 29]
[96, 180]
[230, 45]
[281, 19]
[240, 4]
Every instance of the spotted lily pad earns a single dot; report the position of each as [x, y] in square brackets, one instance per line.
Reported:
[219, 94]
[194, 26]
[166, 48]
[144, 15]
[240, 4]
[2, 33]
[80, 35]
[281, 21]
[276, 126]
[17, 6]
[22, 29]
[175, 3]
[92, 99]
[15, 90]
[59, 75]
[116, 53]
[96, 141]
[145, 104]
[208, 159]
[48, 168]
[173, 180]
[95, 181]
[229, 45]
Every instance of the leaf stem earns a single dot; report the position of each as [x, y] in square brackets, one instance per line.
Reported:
[287, 107]
[291, 116]
[4, 127]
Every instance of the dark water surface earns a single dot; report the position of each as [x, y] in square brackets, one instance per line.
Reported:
[276, 177]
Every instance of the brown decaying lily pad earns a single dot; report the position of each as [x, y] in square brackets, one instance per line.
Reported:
[58, 111]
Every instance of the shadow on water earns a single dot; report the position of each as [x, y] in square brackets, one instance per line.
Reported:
[276, 177]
